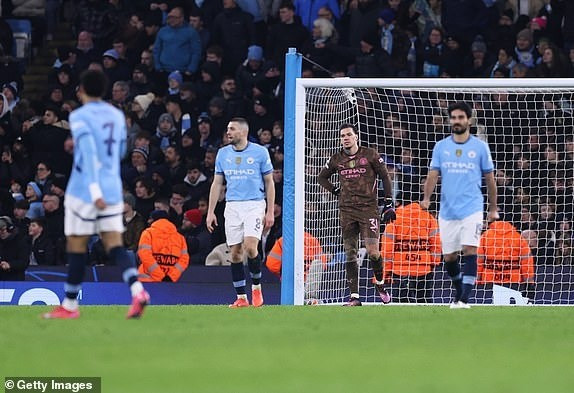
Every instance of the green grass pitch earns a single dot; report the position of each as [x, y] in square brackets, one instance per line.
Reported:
[298, 349]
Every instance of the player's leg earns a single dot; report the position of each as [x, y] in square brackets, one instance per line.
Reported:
[470, 239]
[369, 229]
[350, 229]
[234, 236]
[250, 245]
[253, 229]
[451, 246]
[79, 225]
[238, 276]
[113, 243]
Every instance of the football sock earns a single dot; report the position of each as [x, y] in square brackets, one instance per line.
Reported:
[377, 266]
[352, 277]
[238, 275]
[120, 257]
[453, 270]
[254, 265]
[469, 276]
[76, 268]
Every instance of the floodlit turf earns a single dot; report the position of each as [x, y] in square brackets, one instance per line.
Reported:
[298, 349]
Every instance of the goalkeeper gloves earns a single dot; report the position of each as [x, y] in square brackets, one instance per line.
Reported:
[336, 191]
[388, 213]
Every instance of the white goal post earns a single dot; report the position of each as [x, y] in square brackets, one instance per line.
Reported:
[402, 119]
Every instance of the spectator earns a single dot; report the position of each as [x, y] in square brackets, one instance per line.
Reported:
[14, 251]
[525, 50]
[126, 57]
[141, 113]
[289, 33]
[362, 21]
[464, 18]
[322, 34]
[197, 23]
[197, 237]
[190, 147]
[140, 83]
[120, 95]
[505, 62]
[58, 186]
[42, 250]
[262, 117]
[86, 52]
[480, 61]
[166, 132]
[251, 71]
[196, 182]
[54, 225]
[506, 259]
[430, 59]
[234, 31]
[145, 196]
[34, 197]
[235, 104]
[206, 138]
[43, 177]
[20, 220]
[99, 19]
[162, 251]
[10, 92]
[137, 166]
[174, 81]
[553, 64]
[134, 223]
[428, 15]
[174, 164]
[308, 11]
[209, 84]
[174, 108]
[394, 40]
[45, 139]
[553, 13]
[114, 70]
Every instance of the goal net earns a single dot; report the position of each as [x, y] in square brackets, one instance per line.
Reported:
[529, 128]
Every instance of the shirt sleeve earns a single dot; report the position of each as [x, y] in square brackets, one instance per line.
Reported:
[486, 163]
[435, 160]
[218, 166]
[266, 166]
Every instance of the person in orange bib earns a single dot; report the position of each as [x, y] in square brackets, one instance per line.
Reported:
[504, 258]
[411, 250]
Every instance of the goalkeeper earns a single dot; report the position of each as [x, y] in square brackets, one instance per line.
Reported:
[358, 168]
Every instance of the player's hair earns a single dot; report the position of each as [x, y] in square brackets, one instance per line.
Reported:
[463, 106]
[347, 125]
[94, 83]
[241, 121]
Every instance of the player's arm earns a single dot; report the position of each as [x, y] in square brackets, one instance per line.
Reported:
[324, 178]
[492, 195]
[270, 199]
[214, 191]
[429, 186]
[85, 145]
[388, 213]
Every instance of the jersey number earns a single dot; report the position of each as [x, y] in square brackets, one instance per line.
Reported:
[110, 141]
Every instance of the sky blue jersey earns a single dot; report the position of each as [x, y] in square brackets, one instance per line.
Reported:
[99, 132]
[244, 170]
[461, 167]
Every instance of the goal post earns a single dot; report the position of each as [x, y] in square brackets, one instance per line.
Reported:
[402, 119]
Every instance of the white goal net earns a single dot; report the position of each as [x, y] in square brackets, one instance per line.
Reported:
[530, 132]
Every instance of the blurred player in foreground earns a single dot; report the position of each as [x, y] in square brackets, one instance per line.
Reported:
[358, 168]
[94, 200]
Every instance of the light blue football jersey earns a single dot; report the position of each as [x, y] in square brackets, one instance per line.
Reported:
[243, 171]
[461, 167]
[99, 132]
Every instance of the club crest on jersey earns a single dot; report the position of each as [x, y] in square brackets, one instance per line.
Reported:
[458, 152]
[352, 164]
[471, 154]
[362, 161]
[250, 160]
[238, 160]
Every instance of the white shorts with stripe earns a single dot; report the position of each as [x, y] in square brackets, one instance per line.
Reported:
[83, 219]
[457, 233]
[242, 219]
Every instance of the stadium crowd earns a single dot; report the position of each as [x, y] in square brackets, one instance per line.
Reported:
[180, 70]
